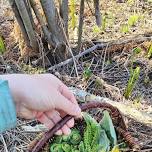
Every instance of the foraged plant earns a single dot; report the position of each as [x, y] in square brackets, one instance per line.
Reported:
[132, 81]
[94, 138]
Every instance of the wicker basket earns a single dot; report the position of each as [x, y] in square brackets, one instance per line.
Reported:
[38, 144]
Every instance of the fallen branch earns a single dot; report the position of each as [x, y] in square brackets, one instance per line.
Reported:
[125, 109]
[93, 48]
[101, 45]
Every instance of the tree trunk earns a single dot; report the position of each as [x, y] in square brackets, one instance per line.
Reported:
[56, 28]
[97, 12]
[64, 12]
[20, 21]
[28, 26]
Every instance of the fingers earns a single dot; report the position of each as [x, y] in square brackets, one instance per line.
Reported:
[67, 93]
[67, 106]
[70, 123]
[55, 117]
[46, 121]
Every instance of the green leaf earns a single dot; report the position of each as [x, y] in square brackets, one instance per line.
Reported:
[2, 45]
[81, 147]
[107, 125]
[56, 148]
[75, 137]
[66, 147]
[104, 143]
[58, 139]
[137, 50]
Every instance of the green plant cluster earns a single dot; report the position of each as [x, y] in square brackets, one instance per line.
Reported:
[96, 137]
[71, 143]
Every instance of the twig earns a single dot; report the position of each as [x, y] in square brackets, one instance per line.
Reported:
[95, 47]
[80, 23]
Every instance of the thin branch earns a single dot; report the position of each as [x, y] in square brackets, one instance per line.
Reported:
[27, 23]
[80, 24]
[93, 48]
[97, 12]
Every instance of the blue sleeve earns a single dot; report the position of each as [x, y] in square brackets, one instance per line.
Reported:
[7, 108]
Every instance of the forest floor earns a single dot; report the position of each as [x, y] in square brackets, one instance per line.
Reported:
[112, 64]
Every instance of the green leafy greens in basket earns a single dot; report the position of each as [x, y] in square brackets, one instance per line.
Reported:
[96, 137]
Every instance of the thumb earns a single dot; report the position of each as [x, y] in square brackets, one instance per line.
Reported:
[67, 106]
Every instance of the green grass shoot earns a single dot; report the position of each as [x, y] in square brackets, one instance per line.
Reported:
[132, 82]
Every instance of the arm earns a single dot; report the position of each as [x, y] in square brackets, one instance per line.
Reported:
[7, 108]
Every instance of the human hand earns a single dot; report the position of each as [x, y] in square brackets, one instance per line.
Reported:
[43, 97]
